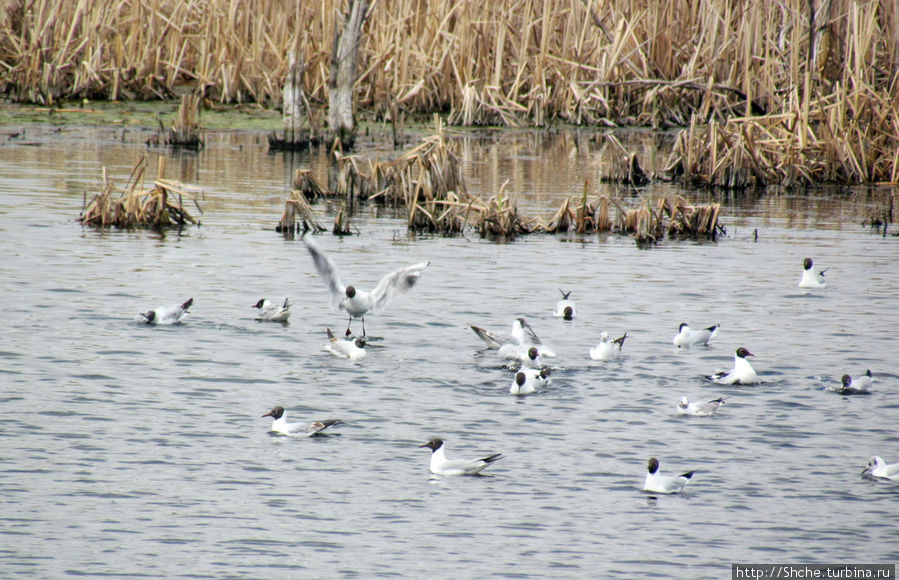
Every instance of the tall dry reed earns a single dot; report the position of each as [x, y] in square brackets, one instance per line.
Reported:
[830, 76]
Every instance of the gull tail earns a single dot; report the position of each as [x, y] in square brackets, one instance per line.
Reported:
[492, 458]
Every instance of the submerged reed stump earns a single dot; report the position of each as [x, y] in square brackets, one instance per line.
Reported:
[159, 207]
[186, 130]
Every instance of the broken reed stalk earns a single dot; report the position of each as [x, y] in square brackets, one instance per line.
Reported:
[158, 207]
[625, 166]
[297, 208]
[305, 183]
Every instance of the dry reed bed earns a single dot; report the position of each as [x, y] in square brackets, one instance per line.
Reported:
[158, 207]
[511, 62]
[852, 139]
[428, 182]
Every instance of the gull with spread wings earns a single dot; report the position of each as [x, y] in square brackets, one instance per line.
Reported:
[359, 302]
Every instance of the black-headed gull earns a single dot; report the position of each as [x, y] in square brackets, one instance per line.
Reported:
[877, 467]
[166, 314]
[280, 424]
[607, 349]
[741, 374]
[528, 381]
[857, 386]
[810, 278]
[565, 308]
[351, 348]
[685, 407]
[658, 483]
[528, 356]
[440, 465]
[521, 335]
[272, 312]
[686, 336]
[359, 302]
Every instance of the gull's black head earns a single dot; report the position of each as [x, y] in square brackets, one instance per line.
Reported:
[681, 327]
[544, 372]
[275, 413]
[743, 353]
[350, 291]
[433, 444]
[360, 342]
[533, 353]
[260, 303]
[846, 380]
[151, 315]
[187, 304]
[807, 264]
[520, 378]
[653, 465]
[568, 313]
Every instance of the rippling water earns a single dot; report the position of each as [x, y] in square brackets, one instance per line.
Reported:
[136, 451]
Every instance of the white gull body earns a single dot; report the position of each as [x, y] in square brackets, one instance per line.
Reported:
[440, 465]
[280, 424]
[811, 279]
[879, 468]
[529, 357]
[657, 483]
[529, 381]
[607, 349]
[272, 312]
[741, 374]
[521, 335]
[686, 336]
[855, 386]
[351, 348]
[565, 309]
[685, 407]
[166, 314]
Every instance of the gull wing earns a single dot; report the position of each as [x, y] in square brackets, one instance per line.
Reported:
[492, 339]
[396, 282]
[522, 333]
[319, 426]
[328, 271]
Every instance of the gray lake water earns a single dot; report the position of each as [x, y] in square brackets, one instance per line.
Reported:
[129, 451]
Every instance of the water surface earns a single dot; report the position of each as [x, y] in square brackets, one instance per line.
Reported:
[135, 451]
